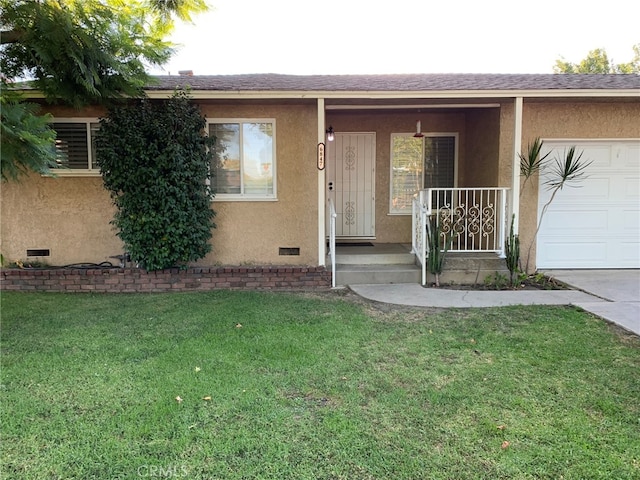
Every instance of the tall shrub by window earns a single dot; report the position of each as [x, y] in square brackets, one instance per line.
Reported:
[154, 158]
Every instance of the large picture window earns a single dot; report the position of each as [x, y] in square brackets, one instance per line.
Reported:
[75, 146]
[244, 159]
[418, 163]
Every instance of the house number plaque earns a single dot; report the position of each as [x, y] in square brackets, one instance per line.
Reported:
[321, 156]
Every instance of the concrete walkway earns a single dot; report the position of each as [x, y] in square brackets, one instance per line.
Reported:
[611, 294]
[620, 289]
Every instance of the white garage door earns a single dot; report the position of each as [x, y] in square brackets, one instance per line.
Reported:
[597, 223]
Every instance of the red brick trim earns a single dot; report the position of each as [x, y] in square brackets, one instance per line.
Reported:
[170, 280]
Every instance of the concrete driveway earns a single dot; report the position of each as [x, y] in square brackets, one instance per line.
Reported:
[620, 289]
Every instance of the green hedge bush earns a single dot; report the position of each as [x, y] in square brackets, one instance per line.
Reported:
[155, 161]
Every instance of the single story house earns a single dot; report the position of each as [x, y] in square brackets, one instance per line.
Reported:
[305, 150]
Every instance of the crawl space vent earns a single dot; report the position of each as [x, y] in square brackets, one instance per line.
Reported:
[38, 252]
[289, 250]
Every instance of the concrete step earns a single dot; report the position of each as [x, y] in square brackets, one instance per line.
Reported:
[473, 261]
[377, 254]
[470, 268]
[377, 274]
[393, 263]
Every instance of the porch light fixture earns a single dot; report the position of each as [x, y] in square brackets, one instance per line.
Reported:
[418, 130]
[330, 134]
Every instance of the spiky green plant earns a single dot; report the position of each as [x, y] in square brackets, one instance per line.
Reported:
[438, 243]
[532, 162]
[512, 253]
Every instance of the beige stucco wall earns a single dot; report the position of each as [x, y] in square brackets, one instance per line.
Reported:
[563, 120]
[71, 215]
[483, 143]
[68, 216]
[252, 232]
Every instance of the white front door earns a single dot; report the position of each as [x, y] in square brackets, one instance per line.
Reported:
[597, 223]
[351, 178]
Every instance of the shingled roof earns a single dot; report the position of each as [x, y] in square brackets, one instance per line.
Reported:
[399, 83]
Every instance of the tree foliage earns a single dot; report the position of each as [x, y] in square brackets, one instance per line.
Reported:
[154, 159]
[597, 61]
[76, 52]
[25, 136]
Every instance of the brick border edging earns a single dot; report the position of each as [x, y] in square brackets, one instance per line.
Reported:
[170, 280]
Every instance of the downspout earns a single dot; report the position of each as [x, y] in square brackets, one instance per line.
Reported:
[515, 178]
[322, 208]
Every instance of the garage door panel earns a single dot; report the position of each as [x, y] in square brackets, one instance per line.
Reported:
[631, 250]
[591, 254]
[595, 188]
[599, 155]
[567, 220]
[630, 189]
[630, 157]
[596, 225]
[586, 254]
[630, 220]
[591, 189]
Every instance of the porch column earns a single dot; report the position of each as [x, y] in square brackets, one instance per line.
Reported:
[322, 208]
[517, 148]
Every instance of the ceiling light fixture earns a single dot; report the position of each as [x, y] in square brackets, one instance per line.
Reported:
[330, 134]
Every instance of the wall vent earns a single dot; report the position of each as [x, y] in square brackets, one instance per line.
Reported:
[289, 250]
[38, 252]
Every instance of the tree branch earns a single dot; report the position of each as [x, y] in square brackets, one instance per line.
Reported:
[11, 36]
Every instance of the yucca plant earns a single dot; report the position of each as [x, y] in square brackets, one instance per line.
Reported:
[531, 162]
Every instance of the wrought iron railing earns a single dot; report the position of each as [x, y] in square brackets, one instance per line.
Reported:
[474, 219]
[470, 219]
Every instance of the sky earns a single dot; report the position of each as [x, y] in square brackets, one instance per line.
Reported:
[401, 36]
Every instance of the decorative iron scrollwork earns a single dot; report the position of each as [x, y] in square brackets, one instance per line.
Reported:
[349, 213]
[473, 220]
[350, 157]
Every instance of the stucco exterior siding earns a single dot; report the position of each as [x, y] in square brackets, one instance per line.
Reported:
[68, 215]
[482, 148]
[71, 216]
[251, 232]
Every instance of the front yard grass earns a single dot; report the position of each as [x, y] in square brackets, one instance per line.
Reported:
[244, 385]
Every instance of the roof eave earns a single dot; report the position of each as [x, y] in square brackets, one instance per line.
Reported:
[424, 94]
[435, 94]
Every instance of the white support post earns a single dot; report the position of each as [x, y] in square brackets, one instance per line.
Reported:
[322, 208]
[515, 179]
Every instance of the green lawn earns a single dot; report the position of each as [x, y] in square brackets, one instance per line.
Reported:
[304, 386]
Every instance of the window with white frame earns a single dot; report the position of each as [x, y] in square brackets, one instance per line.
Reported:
[244, 160]
[418, 163]
[75, 145]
